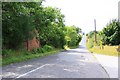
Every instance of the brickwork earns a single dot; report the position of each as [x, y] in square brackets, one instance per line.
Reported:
[34, 43]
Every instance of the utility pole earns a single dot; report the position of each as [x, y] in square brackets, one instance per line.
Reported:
[95, 31]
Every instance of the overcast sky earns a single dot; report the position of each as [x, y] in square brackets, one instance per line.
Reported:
[82, 13]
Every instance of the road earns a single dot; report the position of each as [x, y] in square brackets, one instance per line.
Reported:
[73, 63]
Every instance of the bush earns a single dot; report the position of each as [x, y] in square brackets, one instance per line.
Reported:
[41, 50]
[48, 48]
[6, 52]
[25, 52]
[45, 48]
[72, 36]
[118, 49]
[90, 43]
[34, 51]
[111, 33]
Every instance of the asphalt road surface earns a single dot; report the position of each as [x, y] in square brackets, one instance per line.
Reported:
[73, 63]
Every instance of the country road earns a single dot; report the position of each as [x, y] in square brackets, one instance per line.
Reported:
[73, 63]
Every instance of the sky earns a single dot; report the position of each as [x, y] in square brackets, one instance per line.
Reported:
[82, 13]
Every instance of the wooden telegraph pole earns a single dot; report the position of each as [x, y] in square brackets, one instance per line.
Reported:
[95, 31]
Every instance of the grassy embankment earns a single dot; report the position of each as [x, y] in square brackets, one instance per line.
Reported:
[23, 56]
[106, 50]
[11, 56]
[19, 56]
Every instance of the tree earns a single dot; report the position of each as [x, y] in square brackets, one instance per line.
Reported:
[23, 21]
[17, 24]
[50, 25]
[111, 33]
[72, 35]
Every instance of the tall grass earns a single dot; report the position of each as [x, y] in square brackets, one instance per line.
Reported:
[101, 49]
[107, 50]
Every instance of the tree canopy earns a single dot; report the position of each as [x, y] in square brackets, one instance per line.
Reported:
[111, 33]
[23, 21]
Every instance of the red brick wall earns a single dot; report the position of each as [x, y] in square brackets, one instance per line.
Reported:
[31, 44]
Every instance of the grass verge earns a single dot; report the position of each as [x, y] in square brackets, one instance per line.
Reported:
[24, 57]
[107, 50]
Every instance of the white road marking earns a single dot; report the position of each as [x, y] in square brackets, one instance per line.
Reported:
[32, 71]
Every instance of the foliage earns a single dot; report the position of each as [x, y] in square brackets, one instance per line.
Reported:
[72, 36]
[45, 48]
[108, 36]
[111, 33]
[6, 53]
[48, 48]
[90, 34]
[90, 43]
[91, 39]
[17, 24]
[50, 27]
[25, 55]
[21, 20]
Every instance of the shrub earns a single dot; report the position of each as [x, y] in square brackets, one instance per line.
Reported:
[111, 33]
[45, 48]
[90, 43]
[40, 50]
[48, 48]
[34, 51]
[118, 49]
[6, 52]
[25, 52]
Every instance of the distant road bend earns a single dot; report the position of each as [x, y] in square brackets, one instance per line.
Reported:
[73, 63]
